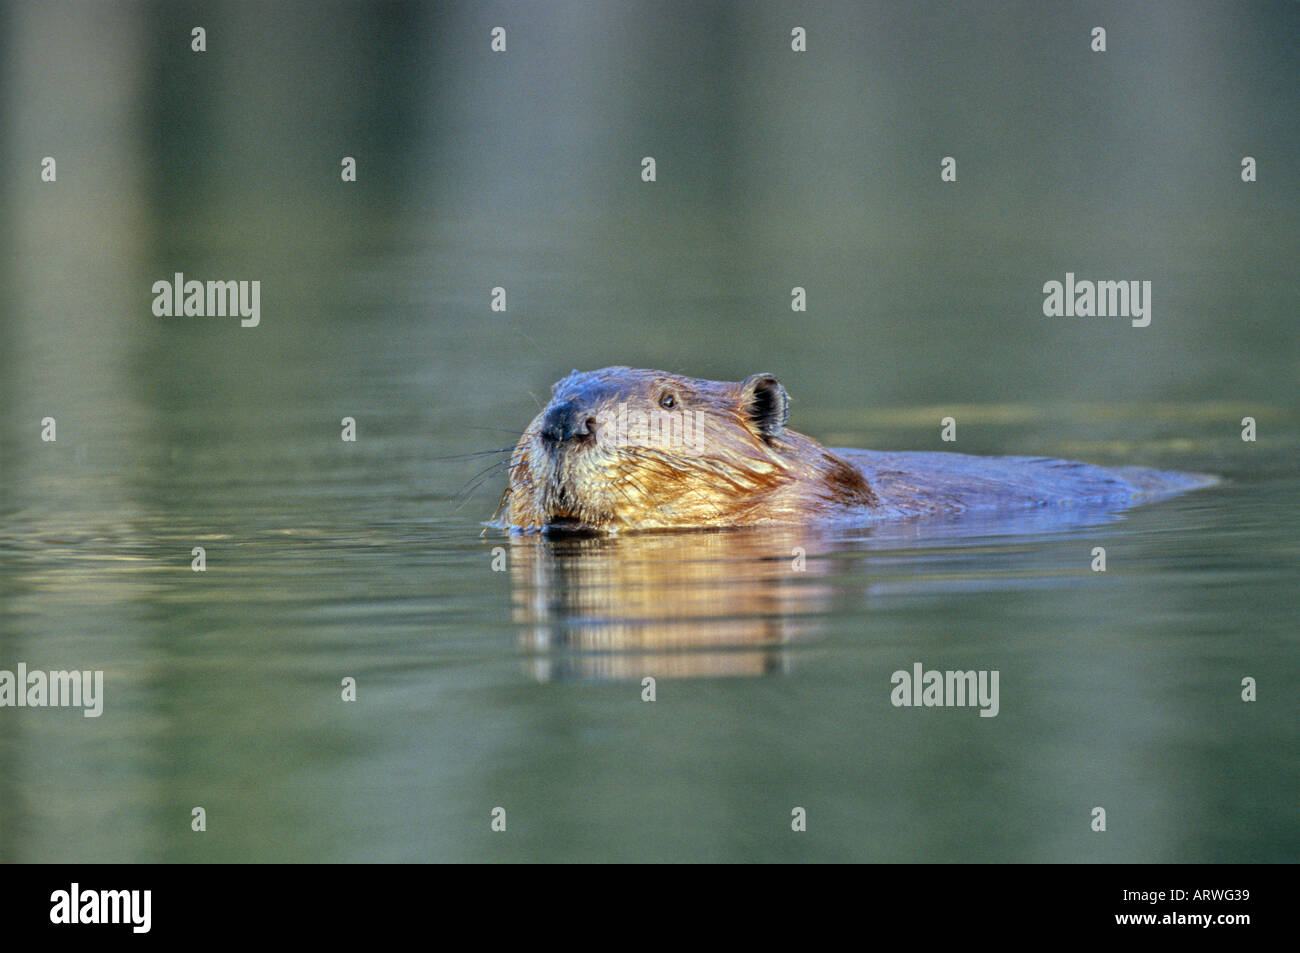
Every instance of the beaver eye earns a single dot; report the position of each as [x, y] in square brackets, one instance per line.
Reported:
[667, 401]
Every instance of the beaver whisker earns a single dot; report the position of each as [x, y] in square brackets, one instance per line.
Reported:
[478, 479]
[492, 469]
[473, 453]
[513, 433]
[467, 492]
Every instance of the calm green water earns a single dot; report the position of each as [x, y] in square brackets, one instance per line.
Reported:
[521, 689]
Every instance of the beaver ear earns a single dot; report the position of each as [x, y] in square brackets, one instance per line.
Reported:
[765, 404]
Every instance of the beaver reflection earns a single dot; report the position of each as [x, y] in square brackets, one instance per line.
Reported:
[681, 605]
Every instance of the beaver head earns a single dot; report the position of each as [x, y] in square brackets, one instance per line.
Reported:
[625, 449]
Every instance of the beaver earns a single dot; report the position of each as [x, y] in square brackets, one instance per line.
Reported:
[622, 449]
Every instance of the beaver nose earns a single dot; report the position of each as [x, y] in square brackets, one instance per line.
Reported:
[565, 421]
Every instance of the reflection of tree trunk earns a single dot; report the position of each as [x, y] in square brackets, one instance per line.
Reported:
[71, 309]
[246, 139]
[682, 605]
[224, 165]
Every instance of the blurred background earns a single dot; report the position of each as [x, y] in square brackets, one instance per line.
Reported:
[522, 169]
